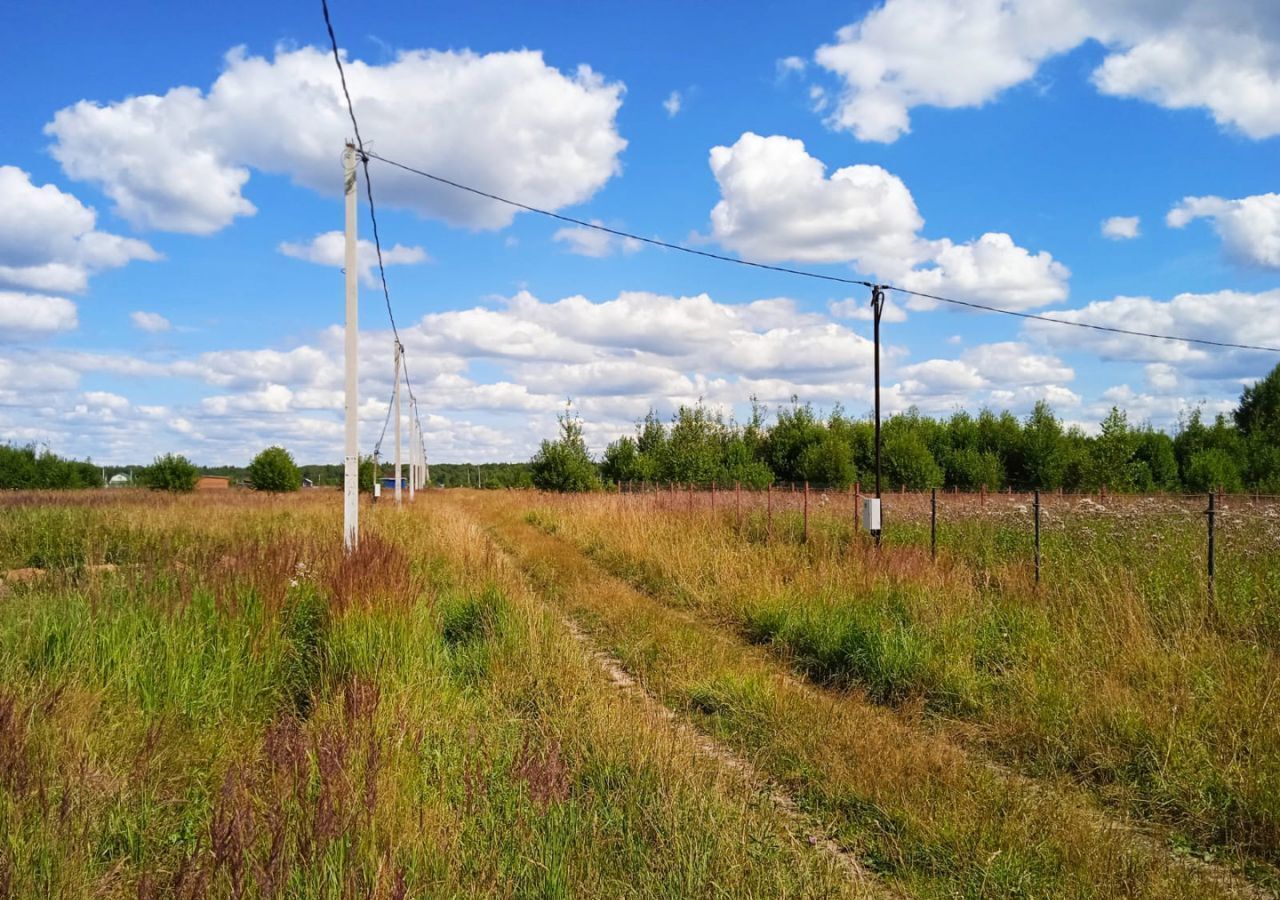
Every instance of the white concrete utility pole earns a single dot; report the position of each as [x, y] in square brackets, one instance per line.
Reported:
[351, 455]
[396, 390]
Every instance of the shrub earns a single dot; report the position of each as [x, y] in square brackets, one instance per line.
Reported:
[171, 472]
[564, 465]
[274, 470]
[1211, 469]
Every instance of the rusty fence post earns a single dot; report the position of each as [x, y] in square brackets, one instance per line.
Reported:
[1211, 513]
[1036, 507]
[737, 499]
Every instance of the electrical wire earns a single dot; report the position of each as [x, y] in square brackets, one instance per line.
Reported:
[1090, 325]
[373, 214]
[617, 233]
[810, 274]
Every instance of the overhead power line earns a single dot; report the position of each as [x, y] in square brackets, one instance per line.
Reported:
[805, 273]
[373, 213]
[1090, 325]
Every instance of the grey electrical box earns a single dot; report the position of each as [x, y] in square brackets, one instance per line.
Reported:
[871, 513]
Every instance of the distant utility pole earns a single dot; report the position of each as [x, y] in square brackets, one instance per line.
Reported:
[396, 391]
[351, 458]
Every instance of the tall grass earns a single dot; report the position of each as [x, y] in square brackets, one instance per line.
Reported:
[238, 710]
[1117, 672]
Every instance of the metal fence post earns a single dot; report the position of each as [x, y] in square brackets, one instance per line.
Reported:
[1037, 518]
[857, 506]
[1212, 515]
[933, 523]
[737, 499]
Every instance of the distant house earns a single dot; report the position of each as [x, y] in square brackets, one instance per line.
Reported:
[213, 483]
[118, 480]
[307, 482]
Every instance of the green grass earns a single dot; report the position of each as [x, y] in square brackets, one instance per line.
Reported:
[1116, 673]
[248, 715]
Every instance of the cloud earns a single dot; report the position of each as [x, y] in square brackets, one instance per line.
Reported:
[49, 241]
[24, 316]
[777, 203]
[992, 268]
[860, 309]
[150, 322]
[505, 121]
[1228, 316]
[672, 104]
[790, 65]
[1121, 228]
[1179, 54]
[329, 249]
[590, 242]
[1249, 227]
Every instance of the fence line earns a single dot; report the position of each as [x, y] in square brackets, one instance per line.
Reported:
[799, 500]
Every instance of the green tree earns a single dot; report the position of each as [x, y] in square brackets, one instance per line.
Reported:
[274, 470]
[829, 462]
[171, 472]
[970, 469]
[564, 464]
[623, 462]
[908, 462]
[795, 430]
[1113, 452]
[1258, 415]
[1041, 459]
[1155, 462]
[1211, 469]
[692, 453]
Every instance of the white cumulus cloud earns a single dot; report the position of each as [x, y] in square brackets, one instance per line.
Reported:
[49, 240]
[1236, 317]
[34, 315]
[329, 249]
[1249, 227]
[1121, 228]
[150, 322]
[1223, 57]
[505, 121]
[777, 203]
[592, 242]
[672, 104]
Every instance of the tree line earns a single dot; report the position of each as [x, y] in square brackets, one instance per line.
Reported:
[698, 446]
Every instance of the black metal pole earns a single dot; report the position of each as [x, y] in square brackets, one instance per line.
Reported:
[877, 305]
[1211, 513]
[1037, 517]
[933, 523]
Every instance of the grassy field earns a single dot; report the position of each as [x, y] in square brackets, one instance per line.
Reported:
[511, 694]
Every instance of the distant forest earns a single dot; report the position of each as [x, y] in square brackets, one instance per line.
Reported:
[1236, 452]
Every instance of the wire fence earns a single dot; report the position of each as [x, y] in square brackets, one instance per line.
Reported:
[945, 519]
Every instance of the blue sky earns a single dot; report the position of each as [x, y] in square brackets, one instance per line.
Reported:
[172, 172]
